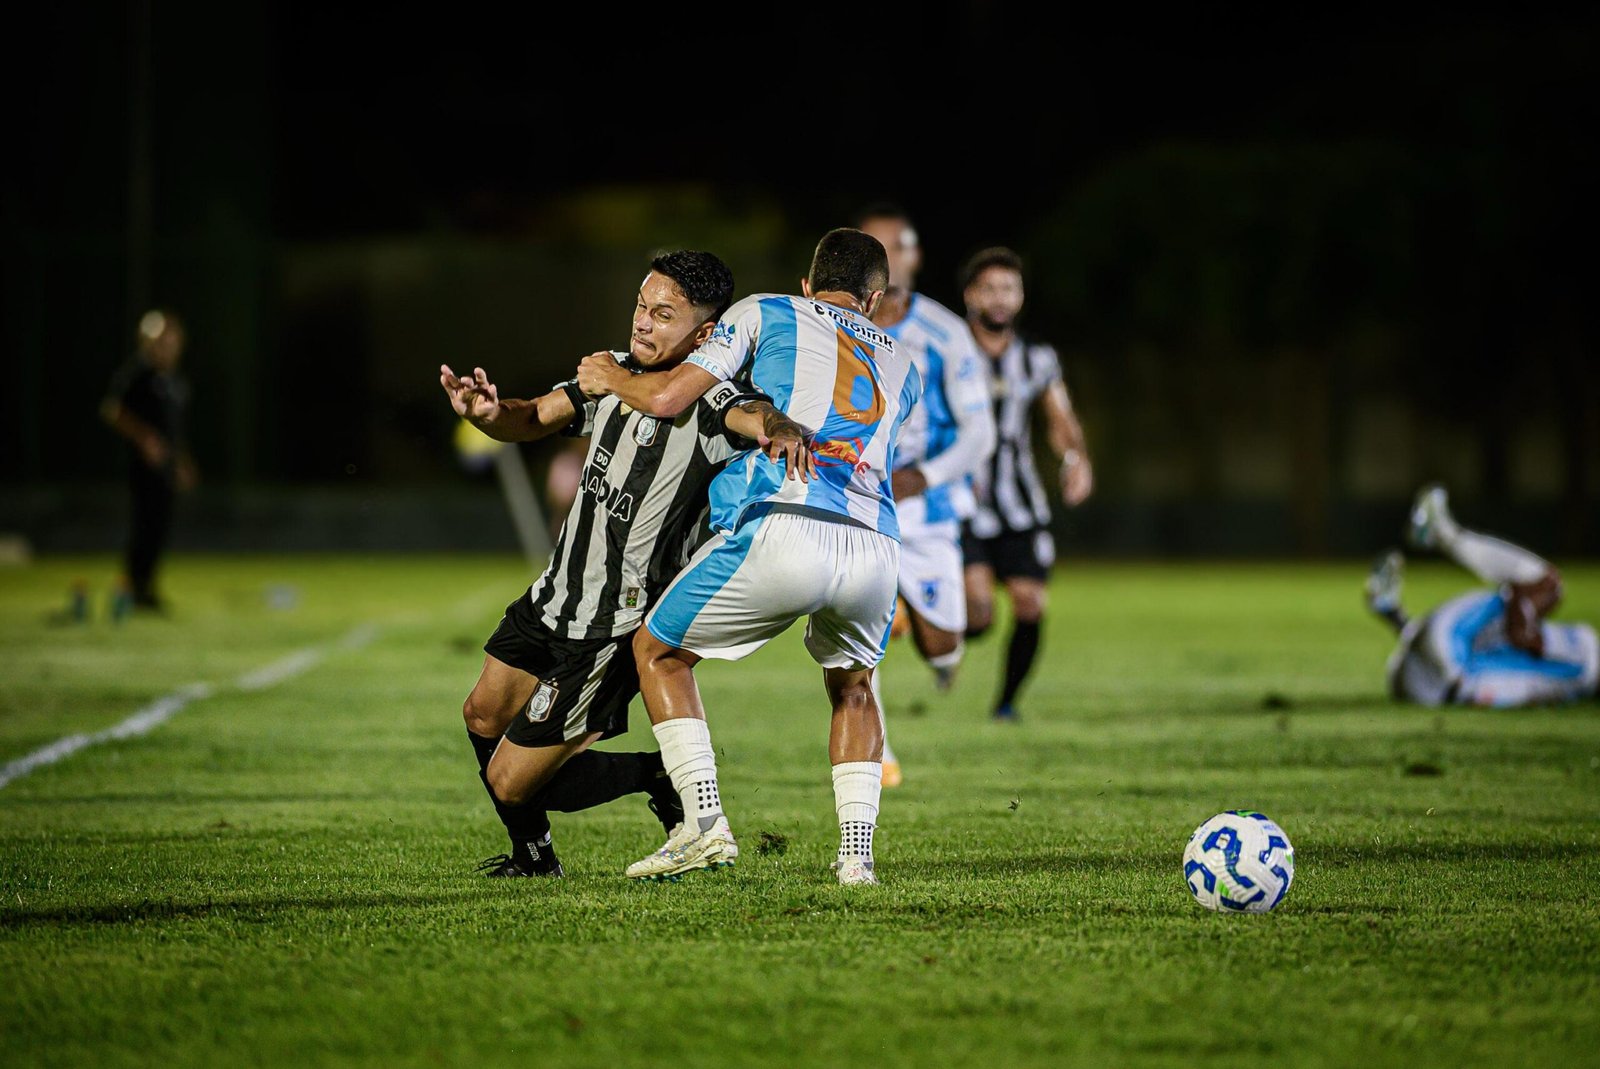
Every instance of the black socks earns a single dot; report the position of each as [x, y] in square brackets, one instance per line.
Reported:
[593, 778]
[528, 826]
[1019, 659]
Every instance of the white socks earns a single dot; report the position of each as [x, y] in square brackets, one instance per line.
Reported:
[692, 764]
[1494, 560]
[857, 786]
[948, 661]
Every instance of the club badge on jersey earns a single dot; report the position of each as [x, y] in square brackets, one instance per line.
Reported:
[543, 700]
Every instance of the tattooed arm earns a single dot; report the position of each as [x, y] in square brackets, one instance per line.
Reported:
[781, 437]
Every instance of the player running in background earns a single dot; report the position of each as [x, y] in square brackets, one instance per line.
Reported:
[1489, 647]
[558, 673]
[794, 540]
[1007, 540]
[948, 438]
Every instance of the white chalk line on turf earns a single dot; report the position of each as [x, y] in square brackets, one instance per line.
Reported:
[165, 708]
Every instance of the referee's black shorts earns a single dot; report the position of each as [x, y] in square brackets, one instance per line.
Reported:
[585, 684]
[1011, 554]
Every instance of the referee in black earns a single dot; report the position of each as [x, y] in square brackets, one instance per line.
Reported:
[145, 404]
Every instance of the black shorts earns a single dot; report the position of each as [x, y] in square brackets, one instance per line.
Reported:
[1012, 554]
[585, 684]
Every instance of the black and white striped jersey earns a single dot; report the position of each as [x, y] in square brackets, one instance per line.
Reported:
[639, 514]
[1010, 497]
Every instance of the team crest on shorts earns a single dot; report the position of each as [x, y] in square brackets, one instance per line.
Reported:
[543, 700]
[930, 591]
[645, 431]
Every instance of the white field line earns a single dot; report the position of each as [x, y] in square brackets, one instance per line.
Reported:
[165, 708]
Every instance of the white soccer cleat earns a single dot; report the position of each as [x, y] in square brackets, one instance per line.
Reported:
[687, 850]
[1384, 583]
[1430, 515]
[855, 872]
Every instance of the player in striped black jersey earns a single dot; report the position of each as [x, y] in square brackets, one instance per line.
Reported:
[559, 673]
[947, 440]
[1007, 540]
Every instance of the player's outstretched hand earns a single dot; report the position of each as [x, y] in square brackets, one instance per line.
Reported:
[473, 397]
[597, 374]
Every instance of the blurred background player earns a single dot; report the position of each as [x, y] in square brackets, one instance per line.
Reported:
[145, 404]
[561, 481]
[1007, 540]
[947, 439]
[1489, 647]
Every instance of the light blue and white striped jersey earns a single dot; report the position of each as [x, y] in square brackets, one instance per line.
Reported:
[830, 370]
[950, 435]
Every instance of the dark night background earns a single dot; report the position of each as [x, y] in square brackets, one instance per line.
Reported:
[1295, 267]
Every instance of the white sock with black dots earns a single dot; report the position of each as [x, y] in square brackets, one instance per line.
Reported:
[857, 786]
[692, 764]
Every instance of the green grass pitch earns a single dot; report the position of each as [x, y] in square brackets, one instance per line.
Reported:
[283, 874]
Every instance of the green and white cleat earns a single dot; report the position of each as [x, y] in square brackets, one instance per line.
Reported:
[1430, 517]
[855, 872]
[686, 851]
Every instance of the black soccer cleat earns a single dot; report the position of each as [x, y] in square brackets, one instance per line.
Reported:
[504, 865]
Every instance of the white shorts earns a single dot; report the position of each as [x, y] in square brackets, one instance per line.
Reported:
[931, 578]
[740, 590]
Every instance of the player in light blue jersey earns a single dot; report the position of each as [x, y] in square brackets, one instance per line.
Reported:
[815, 536]
[1489, 647]
[947, 440]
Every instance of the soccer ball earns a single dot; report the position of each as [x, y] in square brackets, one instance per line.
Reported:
[1238, 862]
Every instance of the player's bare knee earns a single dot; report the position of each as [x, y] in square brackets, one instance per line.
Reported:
[649, 651]
[1548, 591]
[850, 692]
[480, 720]
[980, 617]
[1028, 605]
[508, 788]
[937, 643]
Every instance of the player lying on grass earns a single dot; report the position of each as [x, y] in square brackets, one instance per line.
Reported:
[1489, 647]
[824, 545]
[559, 673]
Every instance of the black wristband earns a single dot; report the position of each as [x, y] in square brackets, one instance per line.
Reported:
[582, 408]
[730, 395]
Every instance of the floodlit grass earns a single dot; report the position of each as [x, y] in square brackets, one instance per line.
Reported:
[284, 874]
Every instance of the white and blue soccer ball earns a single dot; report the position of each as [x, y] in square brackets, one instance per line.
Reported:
[1238, 862]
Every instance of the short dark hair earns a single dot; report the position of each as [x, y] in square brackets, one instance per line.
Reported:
[704, 279]
[881, 209]
[983, 259]
[849, 261]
